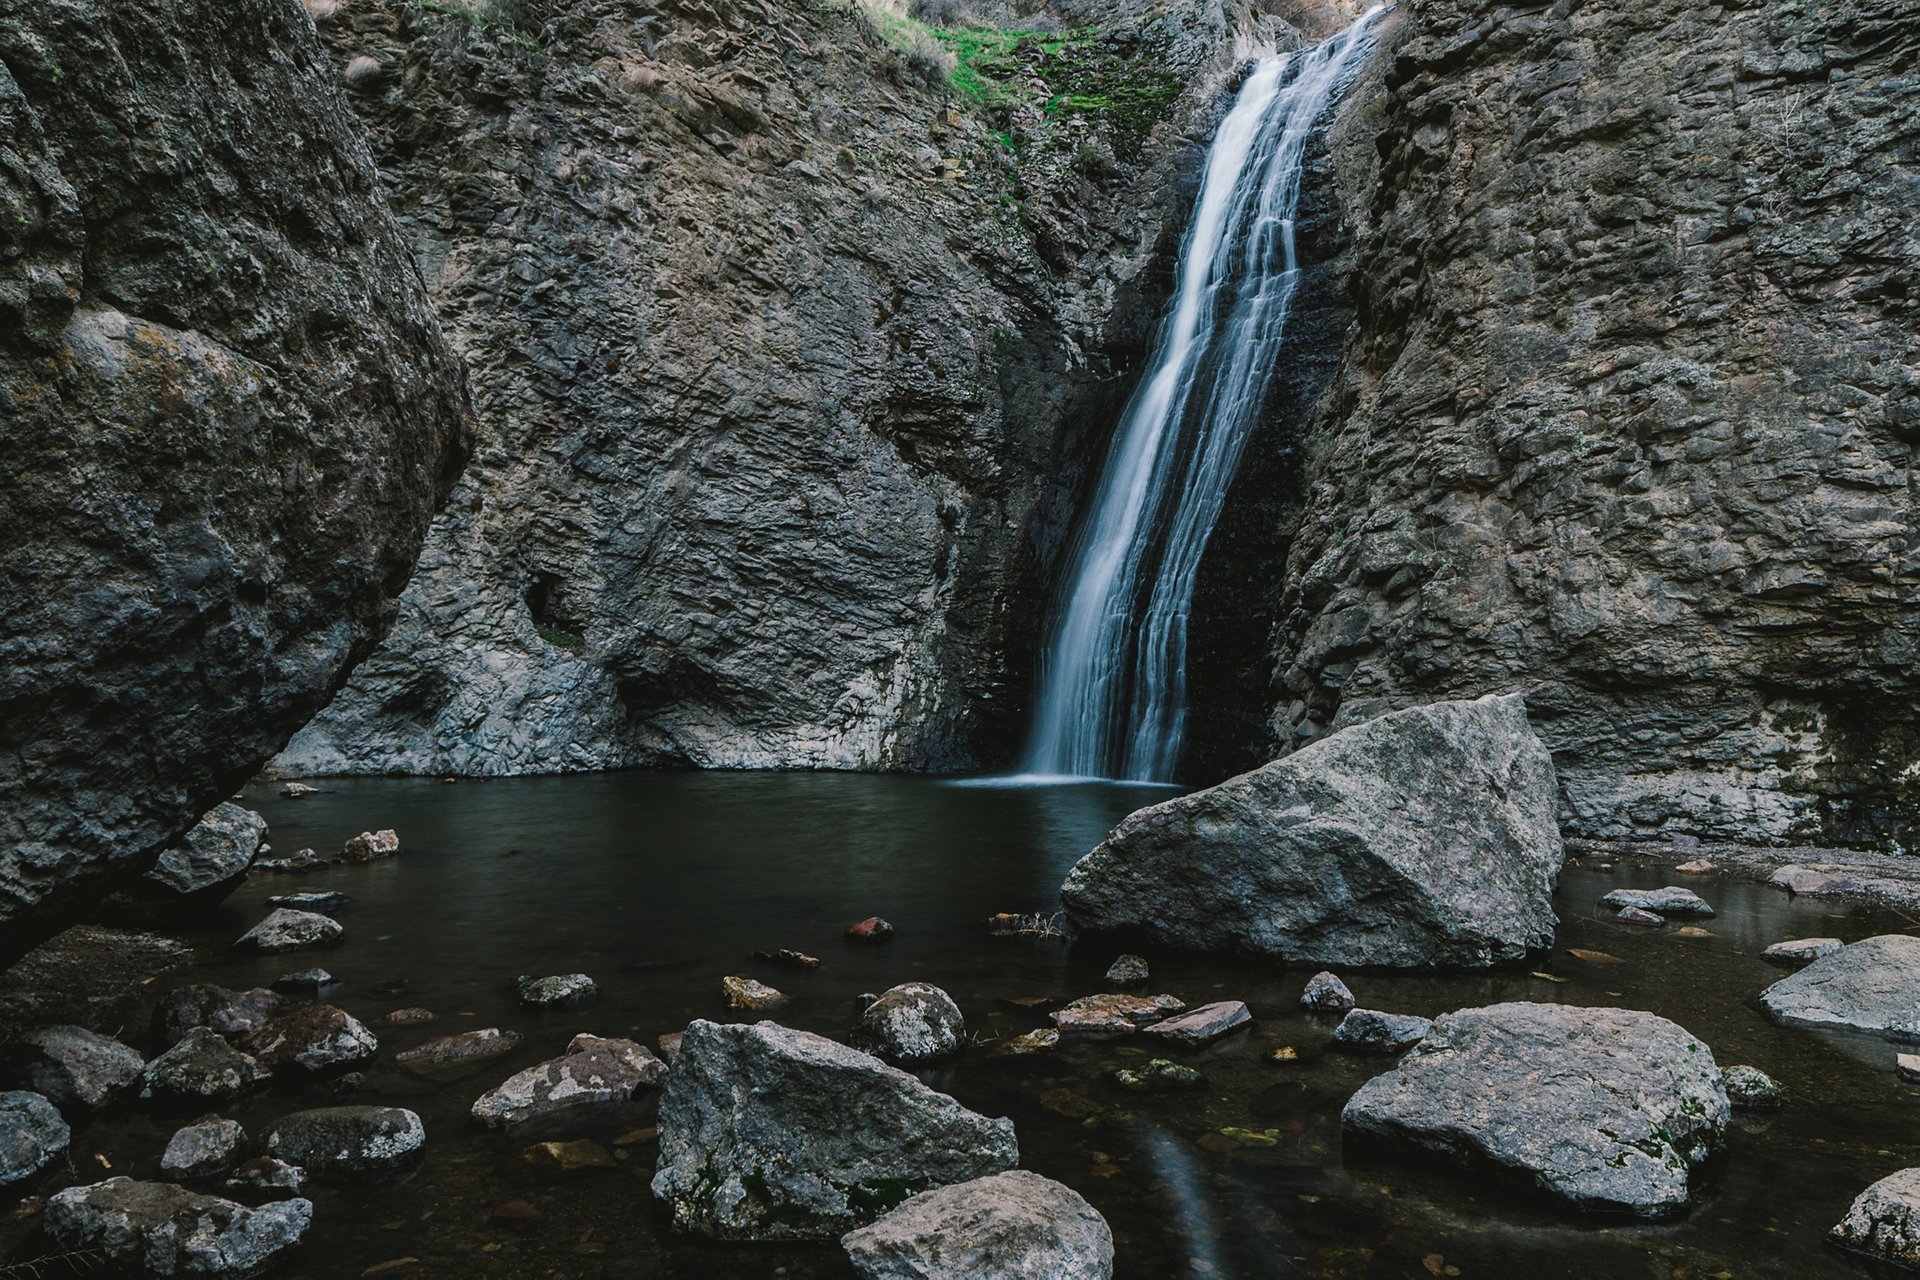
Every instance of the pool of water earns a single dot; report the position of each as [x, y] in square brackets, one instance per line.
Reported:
[660, 884]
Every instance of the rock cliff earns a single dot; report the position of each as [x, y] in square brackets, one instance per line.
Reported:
[1626, 417]
[778, 326]
[226, 416]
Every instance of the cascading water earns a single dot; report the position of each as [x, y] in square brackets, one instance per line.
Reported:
[1113, 677]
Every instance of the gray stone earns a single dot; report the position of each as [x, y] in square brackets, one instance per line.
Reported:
[1325, 993]
[1670, 901]
[1640, 916]
[548, 993]
[1606, 1109]
[212, 860]
[1884, 1220]
[295, 790]
[593, 1074]
[187, 584]
[287, 930]
[268, 1175]
[202, 1068]
[1808, 882]
[231, 1013]
[1044, 1040]
[1127, 971]
[1159, 1076]
[1009, 1226]
[370, 846]
[911, 1024]
[1423, 837]
[158, 1229]
[768, 1133]
[313, 1037]
[1112, 1014]
[1203, 1025]
[1907, 1067]
[1371, 1031]
[451, 1057]
[204, 1149]
[1801, 950]
[1871, 986]
[31, 1134]
[750, 994]
[72, 1066]
[325, 901]
[307, 982]
[347, 1142]
[1751, 1089]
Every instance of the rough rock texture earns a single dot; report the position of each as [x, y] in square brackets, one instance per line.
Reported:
[314, 1037]
[549, 993]
[230, 1013]
[347, 1142]
[451, 1057]
[202, 1068]
[1607, 1109]
[1371, 1031]
[1871, 986]
[285, 929]
[1801, 950]
[212, 860]
[594, 1073]
[1011, 1226]
[1114, 1014]
[1884, 1220]
[1423, 837]
[776, 346]
[157, 1229]
[31, 1134]
[72, 1066]
[772, 1134]
[226, 416]
[203, 1149]
[1627, 417]
[1203, 1025]
[1751, 1089]
[1670, 901]
[1325, 993]
[913, 1023]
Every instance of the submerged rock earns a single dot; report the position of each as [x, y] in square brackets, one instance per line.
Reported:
[1159, 1076]
[1127, 971]
[1045, 1040]
[1801, 950]
[1423, 837]
[158, 1229]
[593, 1073]
[31, 1134]
[451, 1057]
[1640, 916]
[407, 1018]
[288, 930]
[569, 1157]
[212, 860]
[1884, 1220]
[770, 1134]
[750, 995]
[324, 901]
[551, 993]
[1751, 1089]
[204, 1149]
[203, 1068]
[1871, 986]
[314, 1037]
[268, 1175]
[1110, 1014]
[347, 1142]
[1203, 1025]
[788, 958]
[369, 846]
[1009, 1226]
[1670, 901]
[1325, 993]
[72, 1067]
[307, 982]
[1376, 1032]
[1608, 1109]
[911, 1024]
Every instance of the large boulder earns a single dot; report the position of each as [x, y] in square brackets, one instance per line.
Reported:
[1606, 1109]
[1424, 837]
[31, 1134]
[228, 418]
[595, 1074]
[1010, 1226]
[772, 1134]
[213, 859]
[158, 1229]
[72, 1066]
[1884, 1220]
[1871, 986]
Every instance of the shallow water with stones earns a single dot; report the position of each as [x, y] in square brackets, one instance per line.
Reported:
[659, 884]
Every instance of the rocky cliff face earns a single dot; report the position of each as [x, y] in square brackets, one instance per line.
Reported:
[777, 337]
[226, 415]
[1627, 417]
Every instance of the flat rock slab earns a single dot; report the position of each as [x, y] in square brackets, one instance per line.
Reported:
[1884, 1221]
[1809, 882]
[72, 1066]
[772, 1134]
[1010, 1226]
[159, 1229]
[31, 1135]
[1604, 1109]
[1113, 1014]
[1423, 837]
[593, 1073]
[1203, 1025]
[1801, 950]
[347, 1142]
[287, 930]
[451, 1057]
[1371, 1031]
[324, 901]
[1871, 986]
[1670, 901]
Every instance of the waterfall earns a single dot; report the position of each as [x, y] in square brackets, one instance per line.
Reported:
[1113, 676]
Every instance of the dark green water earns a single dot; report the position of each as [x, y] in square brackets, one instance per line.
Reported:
[659, 884]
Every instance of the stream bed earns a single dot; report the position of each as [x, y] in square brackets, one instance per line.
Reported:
[659, 884]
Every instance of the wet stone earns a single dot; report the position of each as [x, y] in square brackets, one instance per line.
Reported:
[517, 1214]
[1010, 1226]
[1114, 1014]
[1045, 1040]
[1802, 950]
[369, 846]
[1640, 916]
[553, 992]
[314, 1038]
[203, 1068]
[307, 982]
[1159, 1076]
[299, 863]
[457, 1055]
[872, 929]
[750, 995]
[788, 958]
[1204, 1025]
[1872, 986]
[1127, 971]
[32, 1134]
[1807, 881]
[324, 901]
[287, 930]
[230, 1013]
[294, 790]
[270, 1176]
[1371, 1031]
[157, 1228]
[347, 1142]
[212, 859]
[1884, 1221]
[407, 1018]
[1673, 900]
[72, 1067]
[911, 1024]
[204, 1149]
[594, 1073]
[1325, 993]
[569, 1157]
[1751, 1089]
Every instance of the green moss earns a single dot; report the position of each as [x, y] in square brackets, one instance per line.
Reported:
[561, 639]
[875, 1198]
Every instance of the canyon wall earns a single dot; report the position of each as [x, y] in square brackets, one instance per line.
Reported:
[226, 415]
[1626, 417]
[776, 338]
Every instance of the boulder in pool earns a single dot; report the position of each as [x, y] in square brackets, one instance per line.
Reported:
[204, 1149]
[159, 1229]
[1371, 1031]
[347, 1142]
[311, 1037]
[1670, 901]
[1871, 986]
[1010, 1226]
[593, 1075]
[911, 1024]
[1325, 993]
[230, 1013]
[1801, 950]
[1605, 1109]
[1884, 1220]
[451, 1057]
[203, 1068]
[285, 929]
[31, 1135]
[772, 1134]
[553, 992]
[73, 1067]
[211, 860]
[1424, 837]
